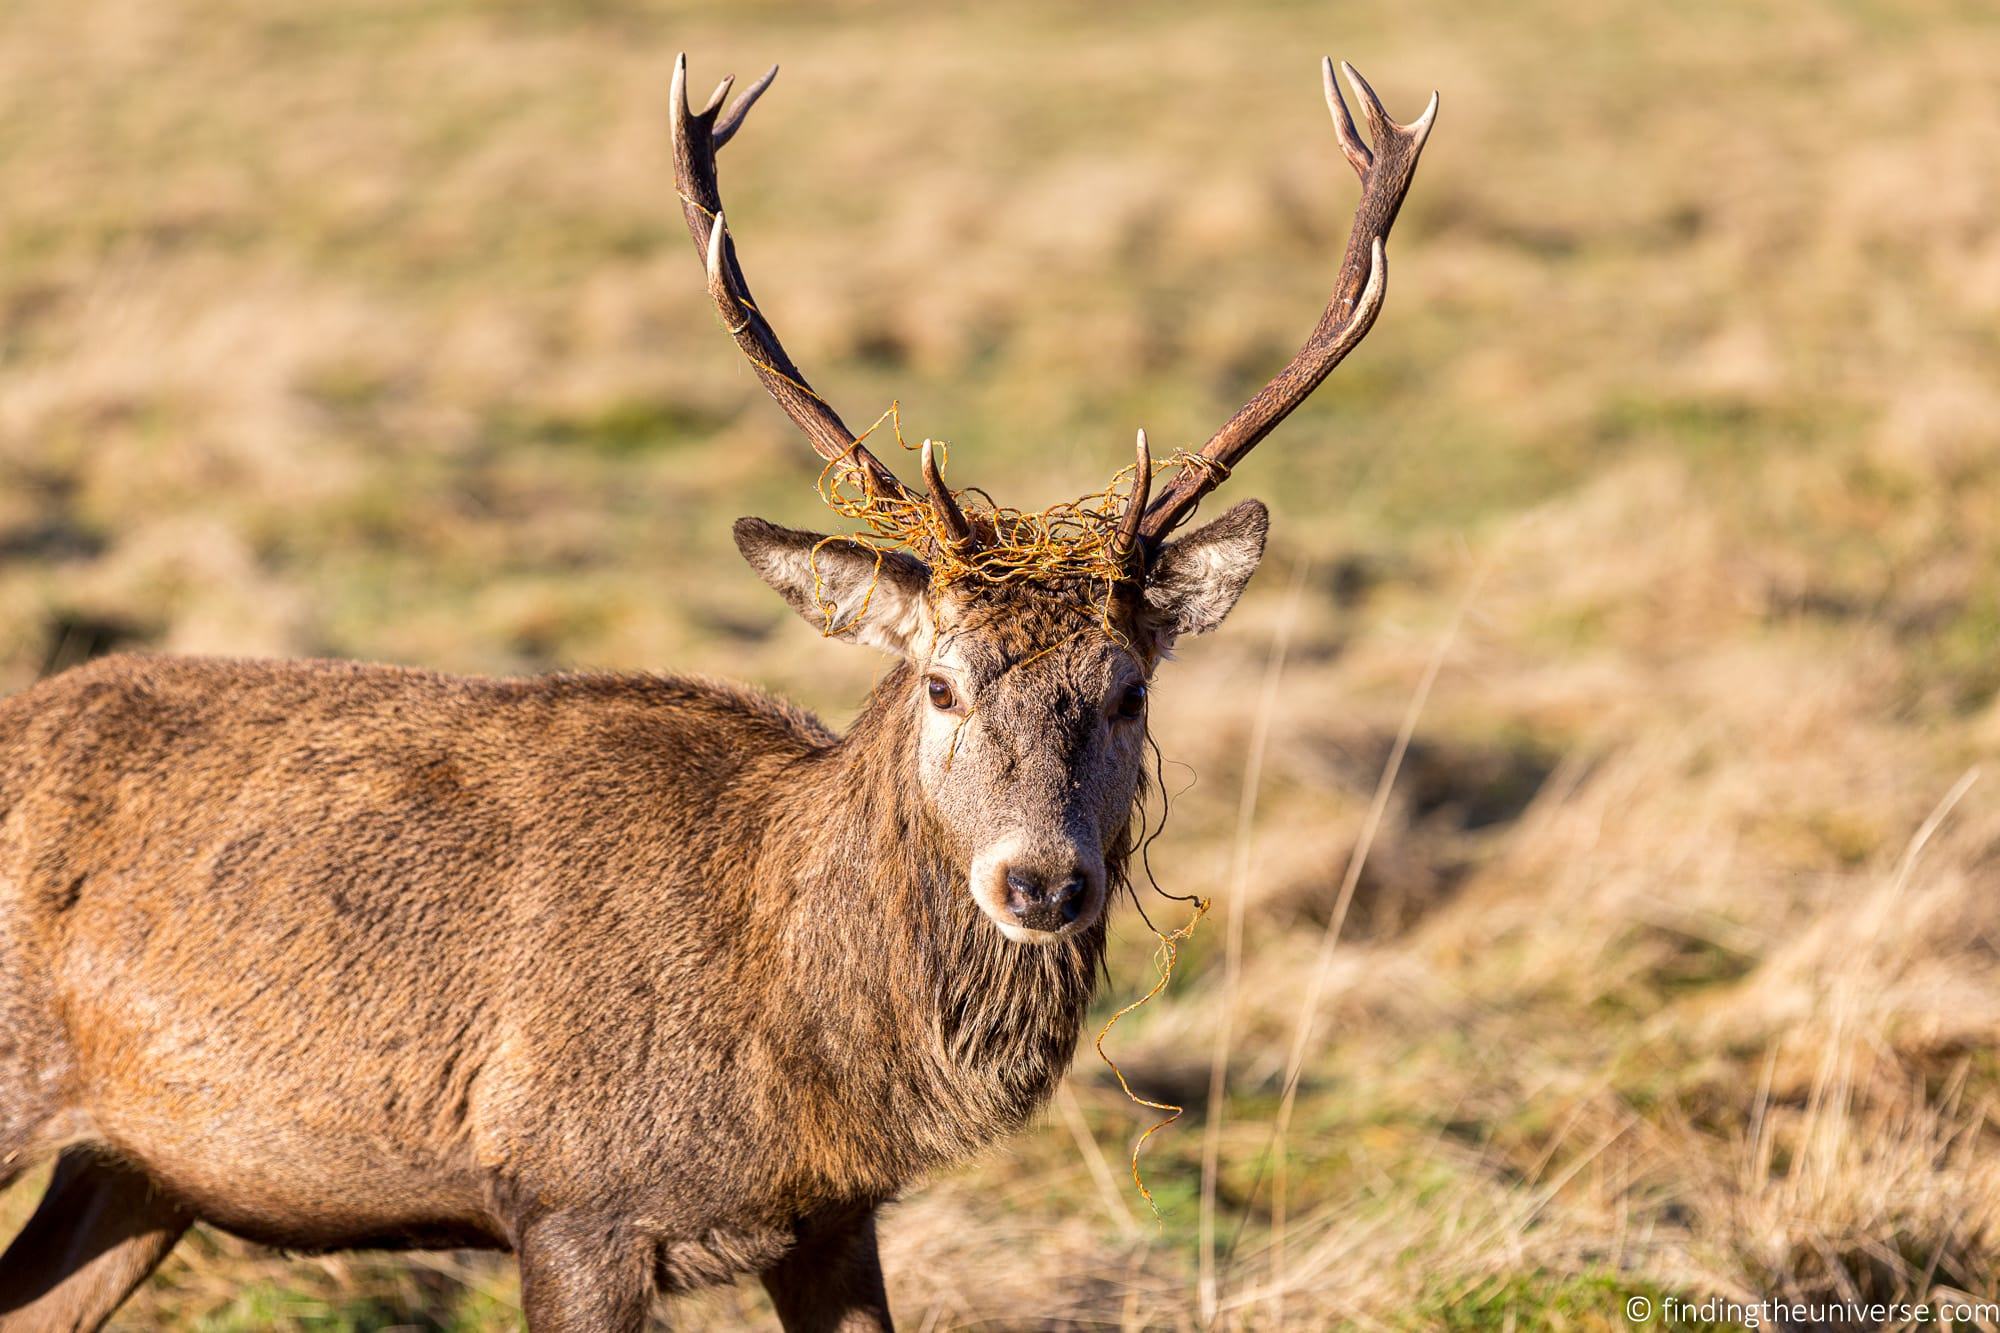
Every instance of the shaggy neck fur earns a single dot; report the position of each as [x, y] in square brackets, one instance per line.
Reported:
[914, 1032]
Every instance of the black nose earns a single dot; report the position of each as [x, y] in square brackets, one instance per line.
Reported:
[1039, 907]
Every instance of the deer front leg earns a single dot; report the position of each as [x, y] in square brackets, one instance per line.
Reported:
[100, 1229]
[832, 1282]
[584, 1275]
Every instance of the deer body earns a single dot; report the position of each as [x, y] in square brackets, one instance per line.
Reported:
[347, 955]
[653, 981]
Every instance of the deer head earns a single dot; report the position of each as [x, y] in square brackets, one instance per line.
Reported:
[1028, 696]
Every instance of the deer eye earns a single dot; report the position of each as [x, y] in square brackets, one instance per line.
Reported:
[938, 689]
[1133, 702]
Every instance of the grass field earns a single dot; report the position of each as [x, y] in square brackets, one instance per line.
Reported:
[1663, 505]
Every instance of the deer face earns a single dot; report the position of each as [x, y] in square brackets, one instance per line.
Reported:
[1029, 719]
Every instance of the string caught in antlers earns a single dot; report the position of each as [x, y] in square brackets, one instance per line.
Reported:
[1114, 536]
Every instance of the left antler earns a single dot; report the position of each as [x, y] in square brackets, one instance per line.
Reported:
[1385, 170]
[697, 136]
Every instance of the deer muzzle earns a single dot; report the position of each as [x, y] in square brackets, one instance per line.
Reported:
[1038, 895]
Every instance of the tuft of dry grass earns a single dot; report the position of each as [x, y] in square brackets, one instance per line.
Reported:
[370, 330]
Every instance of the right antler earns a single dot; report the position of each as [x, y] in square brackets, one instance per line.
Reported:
[697, 136]
[1385, 173]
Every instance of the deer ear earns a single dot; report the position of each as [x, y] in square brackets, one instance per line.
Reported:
[1193, 582]
[838, 585]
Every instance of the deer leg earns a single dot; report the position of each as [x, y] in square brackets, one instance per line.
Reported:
[832, 1281]
[584, 1275]
[100, 1228]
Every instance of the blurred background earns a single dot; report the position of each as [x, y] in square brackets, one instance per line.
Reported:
[1659, 512]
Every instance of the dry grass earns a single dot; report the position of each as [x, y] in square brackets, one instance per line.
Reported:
[369, 329]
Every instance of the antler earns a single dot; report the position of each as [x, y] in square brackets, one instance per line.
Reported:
[1126, 547]
[697, 137]
[957, 532]
[1385, 173]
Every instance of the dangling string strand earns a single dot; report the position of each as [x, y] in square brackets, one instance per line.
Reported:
[1169, 954]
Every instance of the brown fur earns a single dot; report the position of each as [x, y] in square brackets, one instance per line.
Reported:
[653, 980]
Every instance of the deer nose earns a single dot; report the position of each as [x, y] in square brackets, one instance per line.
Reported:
[1048, 903]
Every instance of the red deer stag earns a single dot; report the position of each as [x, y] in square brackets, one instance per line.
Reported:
[655, 982]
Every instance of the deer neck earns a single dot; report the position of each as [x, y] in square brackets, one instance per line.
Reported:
[918, 1006]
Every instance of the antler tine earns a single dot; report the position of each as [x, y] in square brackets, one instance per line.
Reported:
[697, 135]
[1372, 109]
[715, 98]
[725, 129]
[1351, 142]
[1386, 165]
[957, 530]
[1379, 122]
[1125, 546]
